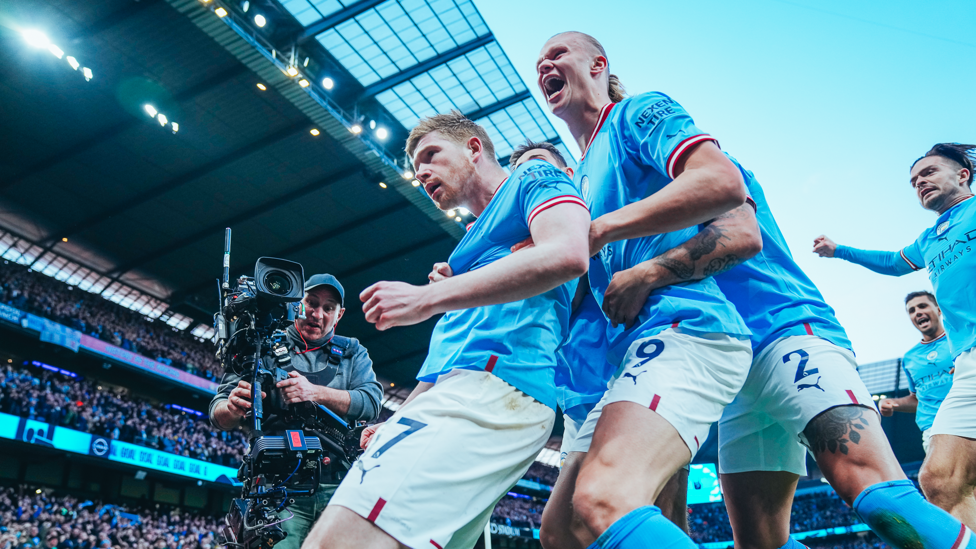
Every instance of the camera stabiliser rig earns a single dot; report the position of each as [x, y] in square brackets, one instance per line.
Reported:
[251, 343]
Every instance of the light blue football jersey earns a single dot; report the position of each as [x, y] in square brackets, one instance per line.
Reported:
[515, 341]
[631, 155]
[927, 367]
[582, 370]
[946, 249]
[774, 296]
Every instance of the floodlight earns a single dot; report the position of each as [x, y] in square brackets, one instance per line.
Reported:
[303, 83]
[292, 71]
[382, 185]
[458, 219]
[87, 72]
[381, 133]
[221, 12]
[245, 6]
[463, 210]
[55, 51]
[73, 62]
[35, 38]
[151, 110]
[372, 124]
[176, 127]
[415, 183]
[314, 131]
[259, 20]
[356, 128]
[305, 63]
[408, 174]
[262, 87]
[64, 239]
[450, 213]
[327, 83]
[162, 119]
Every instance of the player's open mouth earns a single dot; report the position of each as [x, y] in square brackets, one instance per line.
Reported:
[552, 85]
[926, 191]
[922, 321]
[431, 188]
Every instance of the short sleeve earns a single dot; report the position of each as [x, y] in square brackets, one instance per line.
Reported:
[912, 254]
[659, 131]
[542, 186]
[911, 382]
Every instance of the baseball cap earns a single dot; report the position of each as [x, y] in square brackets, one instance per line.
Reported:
[326, 280]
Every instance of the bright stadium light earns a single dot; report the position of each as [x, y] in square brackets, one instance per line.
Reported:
[292, 70]
[356, 129]
[176, 127]
[88, 73]
[73, 62]
[372, 124]
[55, 51]
[381, 133]
[382, 185]
[450, 213]
[36, 38]
[463, 211]
[162, 119]
[303, 83]
[262, 87]
[458, 219]
[314, 131]
[245, 6]
[415, 183]
[259, 20]
[150, 110]
[408, 174]
[327, 83]
[221, 12]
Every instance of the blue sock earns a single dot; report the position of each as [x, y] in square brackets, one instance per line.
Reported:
[643, 527]
[899, 515]
[793, 544]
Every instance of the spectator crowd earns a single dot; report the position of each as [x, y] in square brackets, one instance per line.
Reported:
[33, 519]
[90, 314]
[85, 406]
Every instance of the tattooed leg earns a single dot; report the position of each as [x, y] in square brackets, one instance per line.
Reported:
[851, 450]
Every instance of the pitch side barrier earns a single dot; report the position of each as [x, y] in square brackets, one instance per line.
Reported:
[55, 437]
[69, 338]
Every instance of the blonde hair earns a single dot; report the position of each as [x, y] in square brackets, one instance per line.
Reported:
[614, 87]
[455, 127]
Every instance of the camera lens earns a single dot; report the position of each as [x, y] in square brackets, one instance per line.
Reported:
[277, 283]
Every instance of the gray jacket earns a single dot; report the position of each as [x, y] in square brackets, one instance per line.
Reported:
[354, 374]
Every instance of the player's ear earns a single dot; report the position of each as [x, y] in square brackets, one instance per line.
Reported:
[569, 171]
[475, 146]
[599, 64]
[964, 175]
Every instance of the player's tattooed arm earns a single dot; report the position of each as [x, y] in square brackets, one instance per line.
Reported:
[725, 242]
[836, 429]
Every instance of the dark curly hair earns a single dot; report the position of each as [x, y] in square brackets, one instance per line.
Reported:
[958, 153]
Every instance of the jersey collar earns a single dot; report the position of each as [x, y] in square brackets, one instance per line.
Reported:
[604, 113]
[469, 226]
[934, 340]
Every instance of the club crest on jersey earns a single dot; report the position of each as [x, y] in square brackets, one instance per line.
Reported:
[933, 355]
[585, 188]
[942, 228]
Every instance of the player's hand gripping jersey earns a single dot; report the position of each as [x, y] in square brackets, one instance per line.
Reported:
[927, 367]
[515, 341]
[948, 250]
[631, 155]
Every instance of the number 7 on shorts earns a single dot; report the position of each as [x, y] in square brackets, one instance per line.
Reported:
[412, 427]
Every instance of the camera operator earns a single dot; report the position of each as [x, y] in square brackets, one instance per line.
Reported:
[325, 368]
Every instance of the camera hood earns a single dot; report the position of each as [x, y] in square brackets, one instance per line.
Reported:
[279, 280]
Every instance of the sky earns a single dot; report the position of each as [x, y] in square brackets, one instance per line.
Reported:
[827, 102]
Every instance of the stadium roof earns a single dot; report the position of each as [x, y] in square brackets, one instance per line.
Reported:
[101, 189]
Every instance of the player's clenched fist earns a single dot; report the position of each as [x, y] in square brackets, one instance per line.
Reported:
[824, 247]
[441, 271]
[368, 435]
[887, 407]
[389, 304]
[626, 296]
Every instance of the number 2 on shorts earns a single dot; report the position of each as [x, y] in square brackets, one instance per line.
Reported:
[412, 427]
[801, 371]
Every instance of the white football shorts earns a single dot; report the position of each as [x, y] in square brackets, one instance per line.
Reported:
[433, 472]
[792, 381]
[957, 414]
[687, 379]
